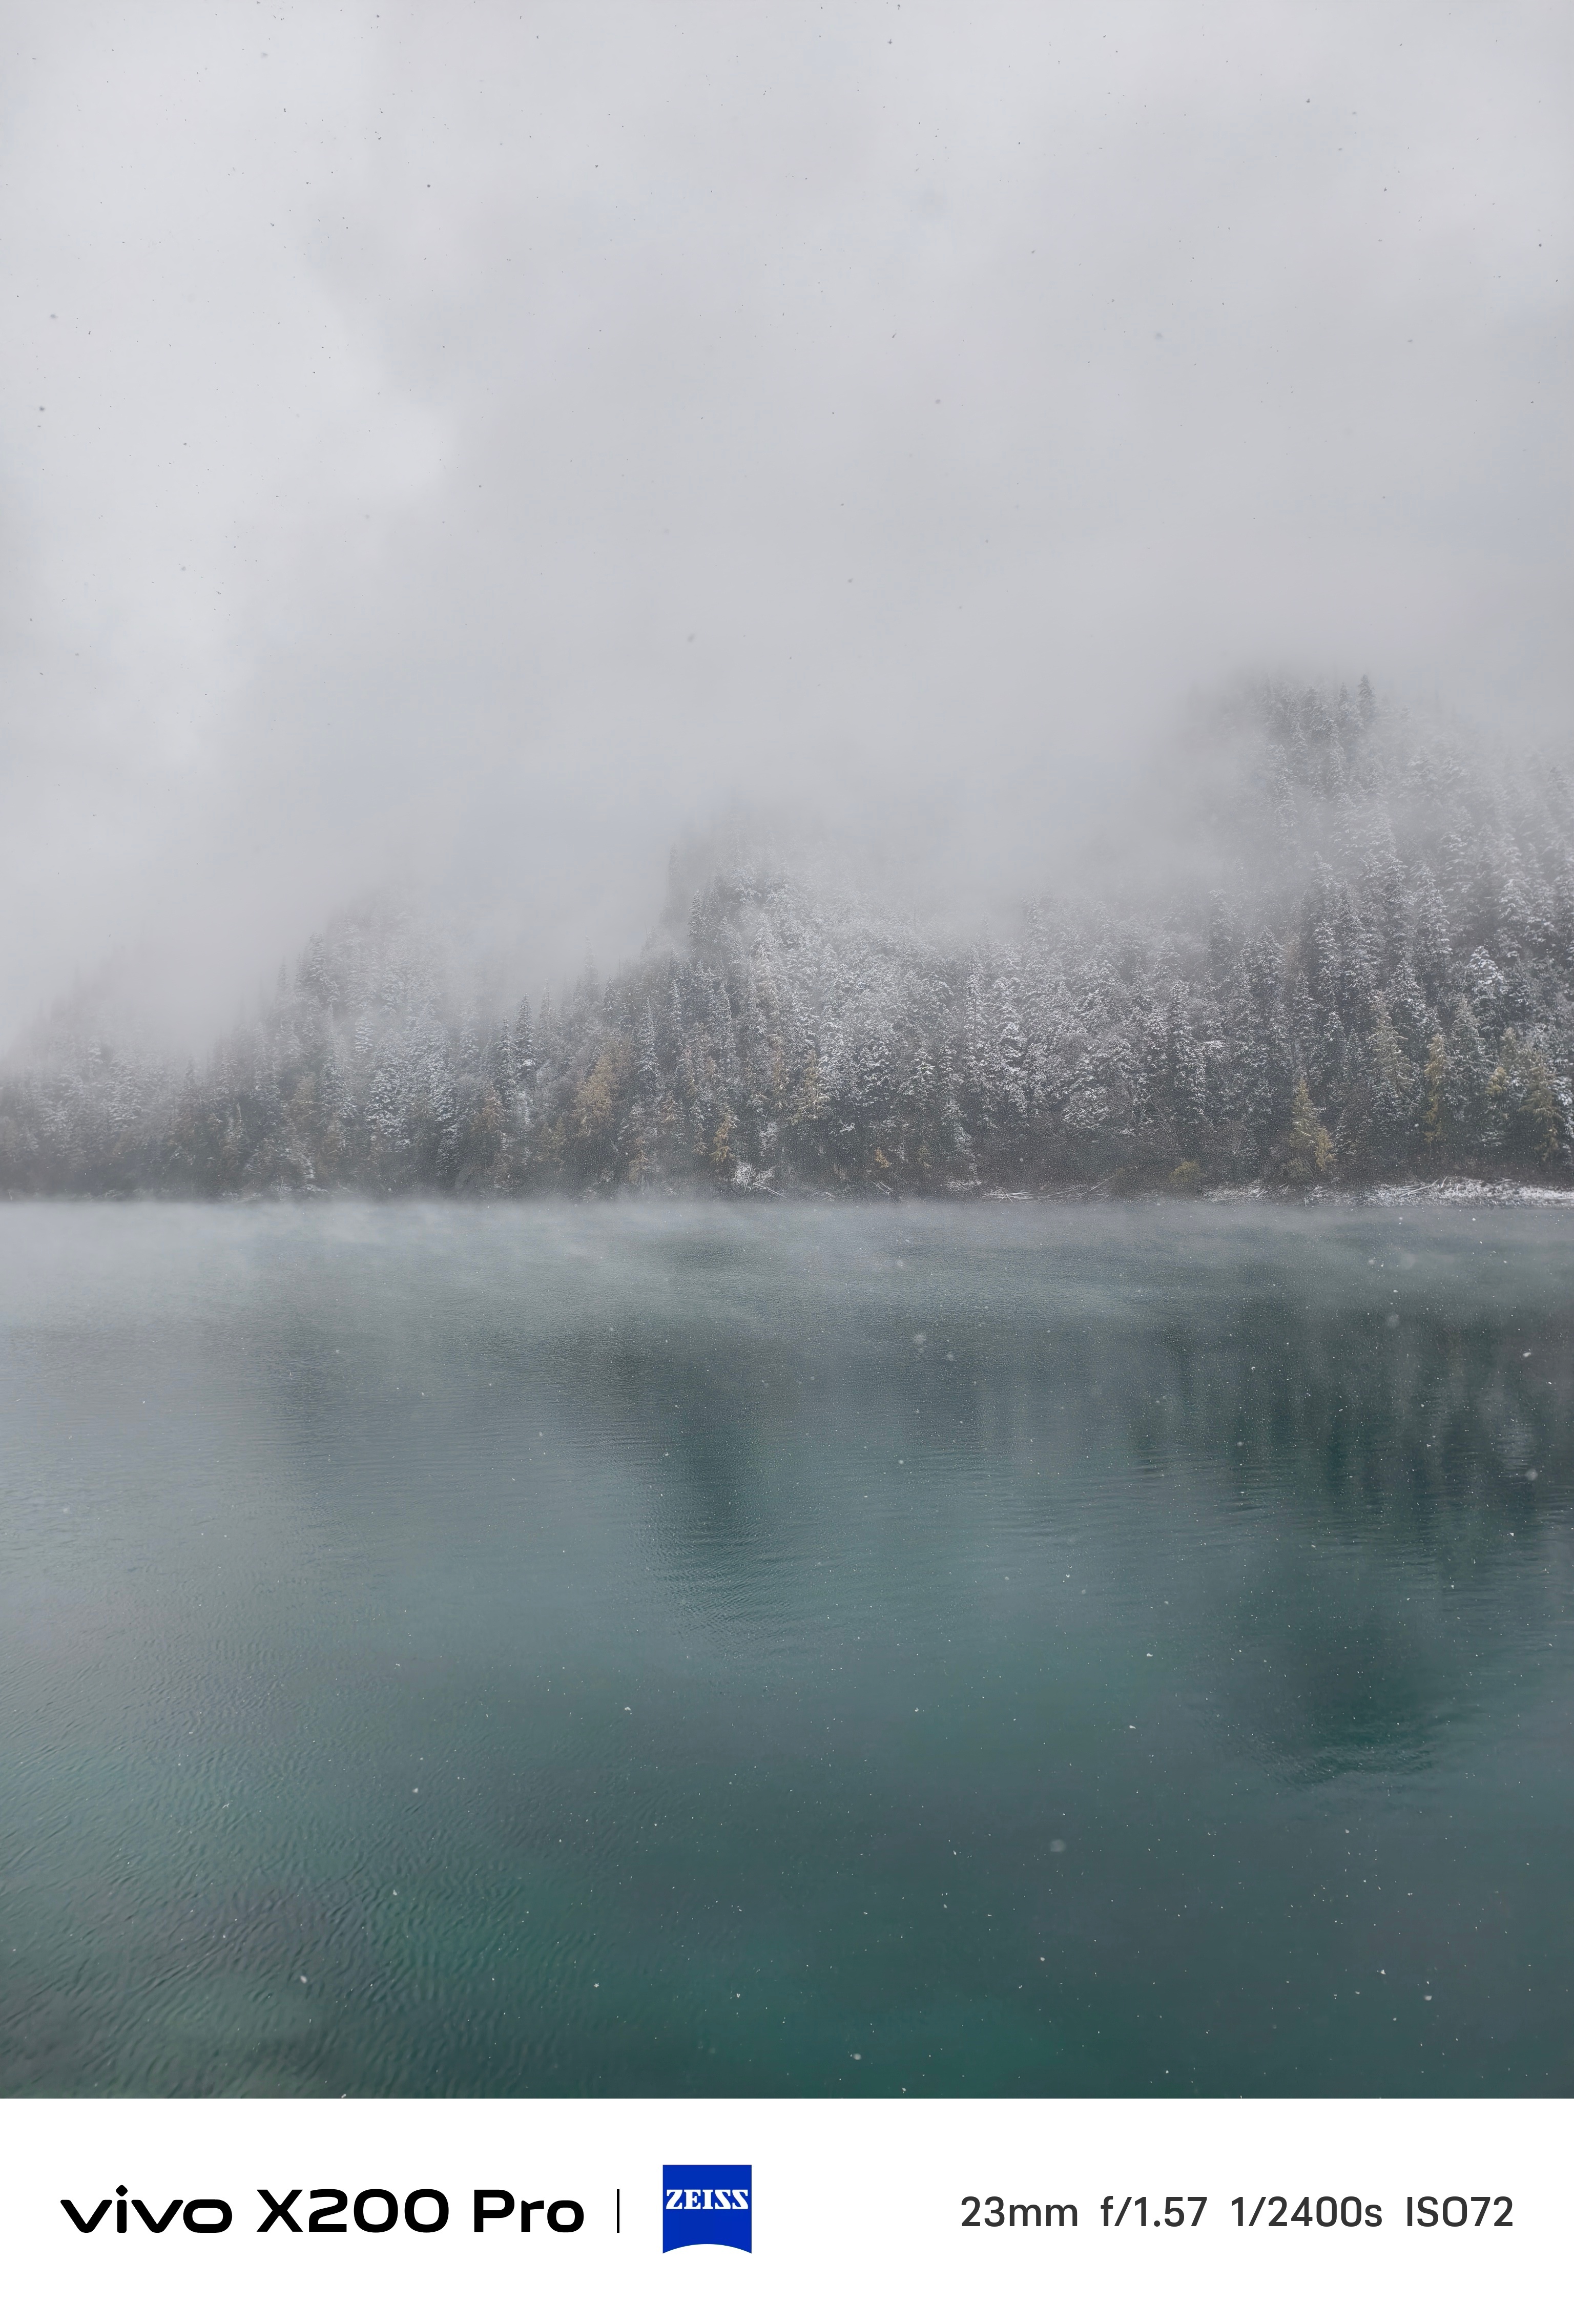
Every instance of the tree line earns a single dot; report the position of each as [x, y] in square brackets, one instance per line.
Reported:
[1377, 980]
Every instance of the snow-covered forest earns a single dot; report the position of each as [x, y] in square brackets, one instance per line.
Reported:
[1375, 978]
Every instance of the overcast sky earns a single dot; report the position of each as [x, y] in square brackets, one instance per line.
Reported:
[476, 445]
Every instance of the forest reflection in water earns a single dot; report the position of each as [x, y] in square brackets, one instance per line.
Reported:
[652, 1648]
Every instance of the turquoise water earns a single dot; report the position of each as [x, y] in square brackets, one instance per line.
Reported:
[661, 1649]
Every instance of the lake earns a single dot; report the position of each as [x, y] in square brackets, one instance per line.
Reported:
[698, 1649]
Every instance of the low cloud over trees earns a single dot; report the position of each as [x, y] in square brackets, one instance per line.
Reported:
[1377, 980]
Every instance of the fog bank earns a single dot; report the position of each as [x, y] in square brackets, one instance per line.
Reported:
[476, 454]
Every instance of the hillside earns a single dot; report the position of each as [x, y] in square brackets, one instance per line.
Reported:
[1377, 978]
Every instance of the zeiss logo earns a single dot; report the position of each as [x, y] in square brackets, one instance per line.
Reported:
[707, 2203]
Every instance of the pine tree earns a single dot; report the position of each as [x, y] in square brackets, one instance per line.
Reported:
[1435, 1122]
[1311, 1146]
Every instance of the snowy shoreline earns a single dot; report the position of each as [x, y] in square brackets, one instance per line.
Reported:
[1455, 1194]
[1459, 1194]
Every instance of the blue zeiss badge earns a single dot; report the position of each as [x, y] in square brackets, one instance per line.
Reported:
[707, 2203]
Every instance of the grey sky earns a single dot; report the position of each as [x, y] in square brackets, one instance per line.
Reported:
[474, 445]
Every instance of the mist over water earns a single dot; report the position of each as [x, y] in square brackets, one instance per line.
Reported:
[644, 1648]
